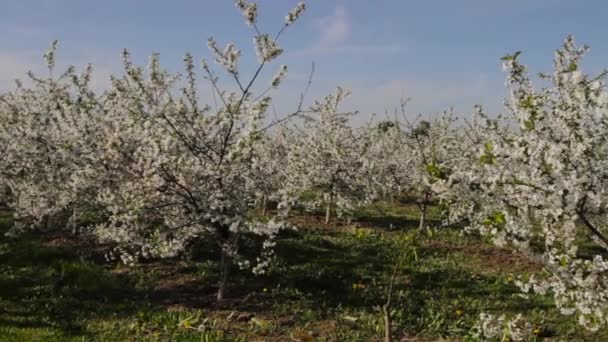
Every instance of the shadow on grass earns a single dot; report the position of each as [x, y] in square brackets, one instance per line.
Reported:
[390, 222]
[55, 287]
[324, 267]
[389, 216]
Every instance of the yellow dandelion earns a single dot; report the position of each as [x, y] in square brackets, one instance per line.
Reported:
[358, 286]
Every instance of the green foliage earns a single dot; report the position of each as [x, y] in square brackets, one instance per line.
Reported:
[497, 219]
[385, 126]
[488, 156]
[436, 171]
[422, 130]
[512, 57]
[572, 67]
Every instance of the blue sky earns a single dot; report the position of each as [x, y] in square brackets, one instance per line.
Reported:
[441, 53]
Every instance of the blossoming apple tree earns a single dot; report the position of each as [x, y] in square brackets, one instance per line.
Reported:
[541, 176]
[50, 137]
[326, 158]
[406, 157]
[161, 168]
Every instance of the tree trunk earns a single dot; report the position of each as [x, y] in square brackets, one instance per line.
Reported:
[74, 223]
[422, 217]
[329, 202]
[386, 308]
[264, 206]
[225, 269]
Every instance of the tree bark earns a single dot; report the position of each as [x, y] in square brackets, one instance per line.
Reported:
[422, 216]
[264, 206]
[74, 224]
[225, 264]
[329, 201]
[386, 308]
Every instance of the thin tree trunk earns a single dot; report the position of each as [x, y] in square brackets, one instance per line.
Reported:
[74, 223]
[225, 269]
[422, 216]
[386, 308]
[445, 214]
[329, 202]
[264, 206]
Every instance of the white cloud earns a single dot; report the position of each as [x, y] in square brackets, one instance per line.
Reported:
[334, 29]
[333, 33]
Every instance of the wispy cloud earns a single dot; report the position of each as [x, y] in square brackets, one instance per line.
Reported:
[334, 32]
[334, 29]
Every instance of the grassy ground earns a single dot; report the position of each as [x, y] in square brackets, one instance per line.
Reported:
[327, 284]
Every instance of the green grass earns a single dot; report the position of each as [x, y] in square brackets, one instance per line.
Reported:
[326, 284]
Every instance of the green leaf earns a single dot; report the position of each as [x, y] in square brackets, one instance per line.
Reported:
[563, 261]
[496, 219]
[436, 172]
[511, 57]
[488, 157]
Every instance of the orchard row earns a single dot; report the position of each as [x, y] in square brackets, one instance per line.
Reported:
[149, 168]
